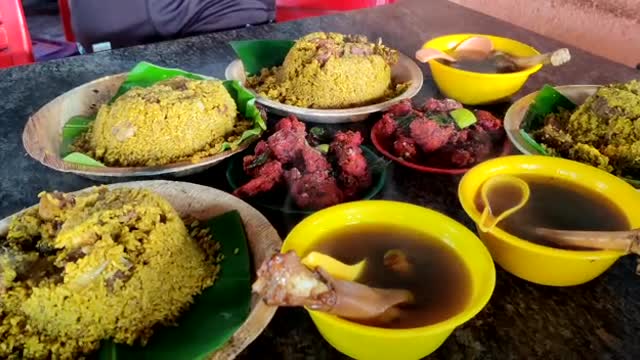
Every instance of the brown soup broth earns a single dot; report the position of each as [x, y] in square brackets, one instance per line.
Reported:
[440, 282]
[556, 204]
[485, 66]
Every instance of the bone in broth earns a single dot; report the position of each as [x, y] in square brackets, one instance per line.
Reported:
[554, 204]
[437, 277]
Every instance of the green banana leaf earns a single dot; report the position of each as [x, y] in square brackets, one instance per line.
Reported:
[145, 74]
[214, 316]
[548, 101]
[259, 54]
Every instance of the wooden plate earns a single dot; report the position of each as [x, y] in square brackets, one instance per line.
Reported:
[405, 70]
[204, 203]
[42, 136]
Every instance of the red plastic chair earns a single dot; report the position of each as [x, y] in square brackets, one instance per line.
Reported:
[15, 41]
[65, 16]
[287, 10]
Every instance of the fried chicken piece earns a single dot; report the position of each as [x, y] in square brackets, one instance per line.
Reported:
[267, 176]
[429, 135]
[467, 147]
[251, 163]
[460, 137]
[261, 147]
[291, 123]
[386, 127]
[288, 140]
[285, 145]
[487, 121]
[265, 166]
[462, 158]
[405, 147]
[284, 281]
[440, 106]
[402, 108]
[490, 124]
[314, 161]
[354, 175]
[316, 190]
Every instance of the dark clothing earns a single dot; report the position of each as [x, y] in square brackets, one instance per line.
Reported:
[132, 22]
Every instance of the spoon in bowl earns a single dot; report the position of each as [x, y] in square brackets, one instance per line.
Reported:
[473, 48]
[336, 268]
[514, 194]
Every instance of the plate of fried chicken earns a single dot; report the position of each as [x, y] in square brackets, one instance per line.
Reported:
[440, 136]
[300, 171]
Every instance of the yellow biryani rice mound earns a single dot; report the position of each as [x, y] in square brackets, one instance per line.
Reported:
[330, 71]
[108, 264]
[604, 131]
[167, 122]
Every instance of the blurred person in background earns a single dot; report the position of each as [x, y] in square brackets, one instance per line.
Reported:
[121, 23]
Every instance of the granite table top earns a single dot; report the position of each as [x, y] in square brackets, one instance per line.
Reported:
[598, 320]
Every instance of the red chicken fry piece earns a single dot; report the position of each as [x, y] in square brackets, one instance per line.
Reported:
[266, 177]
[354, 174]
[313, 190]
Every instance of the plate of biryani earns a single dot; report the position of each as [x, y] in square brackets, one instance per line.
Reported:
[150, 269]
[296, 170]
[441, 136]
[592, 124]
[149, 121]
[325, 77]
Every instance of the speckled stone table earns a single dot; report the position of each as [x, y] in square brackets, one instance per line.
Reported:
[599, 320]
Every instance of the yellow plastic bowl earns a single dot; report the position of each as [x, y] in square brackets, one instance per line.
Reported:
[473, 88]
[536, 263]
[367, 342]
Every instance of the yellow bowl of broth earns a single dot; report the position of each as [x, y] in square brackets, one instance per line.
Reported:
[564, 195]
[468, 84]
[453, 276]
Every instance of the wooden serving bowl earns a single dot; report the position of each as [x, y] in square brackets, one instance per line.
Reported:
[42, 135]
[204, 203]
